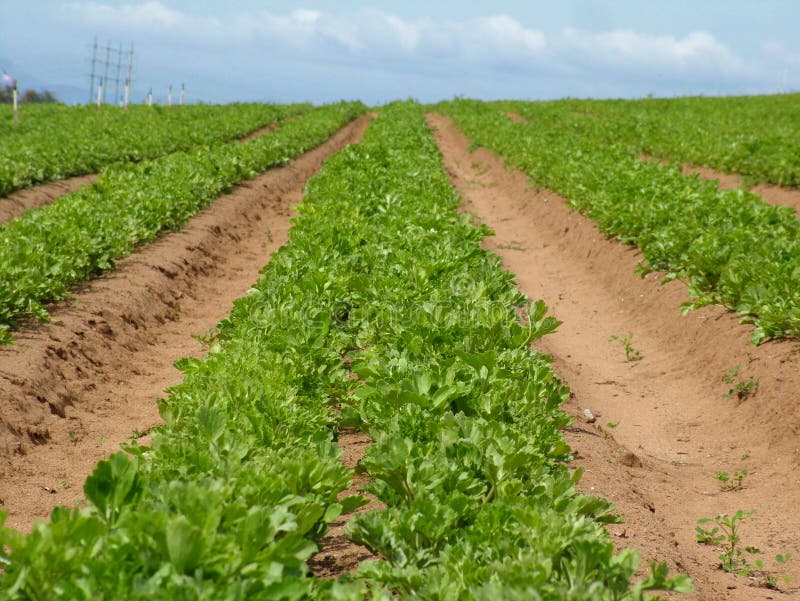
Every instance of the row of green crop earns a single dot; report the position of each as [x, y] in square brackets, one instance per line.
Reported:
[239, 482]
[468, 457]
[49, 249]
[242, 477]
[731, 247]
[56, 141]
[756, 136]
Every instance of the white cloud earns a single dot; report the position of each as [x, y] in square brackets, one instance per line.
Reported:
[147, 15]
[504, 30]
[698, 51]
[372, 37]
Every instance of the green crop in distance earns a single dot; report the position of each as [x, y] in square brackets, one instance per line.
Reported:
[55, 141]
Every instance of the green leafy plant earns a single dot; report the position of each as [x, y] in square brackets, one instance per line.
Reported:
[742, 389]
[631, 354]
[725, 533]
[781, 559]
[768, 579]
[208, 338]
[728, 482]
[64, 482]
[137, 433]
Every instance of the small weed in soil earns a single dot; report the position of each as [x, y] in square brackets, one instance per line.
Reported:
[631, 354]
[735, 556]
[728, 482]
[742, 389]
[725, 533]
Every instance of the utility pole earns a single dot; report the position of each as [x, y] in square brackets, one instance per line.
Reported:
[105, 76]
[130, 70]
[116, 79]
[15, 97]
[94, 62]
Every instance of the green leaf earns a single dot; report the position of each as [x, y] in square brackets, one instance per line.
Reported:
[185, 544]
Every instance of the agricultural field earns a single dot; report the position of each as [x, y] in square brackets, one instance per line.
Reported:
[753, 136]
[49, 249]
[471, 350]
[729, 245]
[57, 141]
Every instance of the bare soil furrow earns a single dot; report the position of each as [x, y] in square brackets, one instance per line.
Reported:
[337, 554]
[261, 131]
[72, 390]
[663, 426]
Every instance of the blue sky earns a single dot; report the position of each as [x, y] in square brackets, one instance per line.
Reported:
[377, 51]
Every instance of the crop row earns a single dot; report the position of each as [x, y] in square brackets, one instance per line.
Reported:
[731, 247]
[56, 141]
[465, 417]
[755, 136]
[381, 274]
[49, 249]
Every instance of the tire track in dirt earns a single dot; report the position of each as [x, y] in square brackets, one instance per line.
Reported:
[72, 390]
[672, 428]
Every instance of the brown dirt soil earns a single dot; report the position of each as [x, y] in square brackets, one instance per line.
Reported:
[261, 131]
[72, 390]
[337, 554]
[672, 427]
[16, 203]
[516, 118]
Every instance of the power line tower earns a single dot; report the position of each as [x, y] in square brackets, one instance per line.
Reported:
[121, 61]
